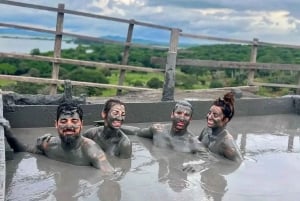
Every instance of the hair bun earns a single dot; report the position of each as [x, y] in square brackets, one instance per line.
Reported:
[229, 98]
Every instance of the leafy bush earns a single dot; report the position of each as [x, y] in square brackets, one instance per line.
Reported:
[138, 83]
[88, 75]
[216, 84]
[29, 88]
[7, 69]
[154, 83]
[185, 81]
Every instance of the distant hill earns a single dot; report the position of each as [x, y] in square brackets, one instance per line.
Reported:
[25, 33]
[9, 32]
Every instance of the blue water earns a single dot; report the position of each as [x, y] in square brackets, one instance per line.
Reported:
[14, 45]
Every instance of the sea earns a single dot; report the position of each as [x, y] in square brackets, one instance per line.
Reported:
[25, 45]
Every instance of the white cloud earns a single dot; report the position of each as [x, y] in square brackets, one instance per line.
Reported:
[225, 18]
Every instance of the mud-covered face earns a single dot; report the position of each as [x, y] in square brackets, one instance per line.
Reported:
[69, 127]
[181, 117]
[115, 116]
[215, 117]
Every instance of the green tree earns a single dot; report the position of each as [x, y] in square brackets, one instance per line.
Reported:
[7, 69]
[35, 51]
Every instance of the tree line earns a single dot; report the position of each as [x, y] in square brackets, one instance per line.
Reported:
[187, 77]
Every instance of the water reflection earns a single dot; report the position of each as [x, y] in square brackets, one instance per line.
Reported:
[213, 179]
[184, 171]
[38, 178]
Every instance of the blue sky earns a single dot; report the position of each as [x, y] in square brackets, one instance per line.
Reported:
[274, 21]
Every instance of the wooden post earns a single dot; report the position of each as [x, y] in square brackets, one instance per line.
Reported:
[57, 46]
[169, 84]
[2, 154]
[125, 57]
[253, 60]
[68, 90]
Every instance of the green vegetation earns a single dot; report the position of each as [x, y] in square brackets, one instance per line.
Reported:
[187, 77]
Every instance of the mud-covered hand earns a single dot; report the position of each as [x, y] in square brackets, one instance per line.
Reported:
[12, 140]
[4, 123]
[42, 140]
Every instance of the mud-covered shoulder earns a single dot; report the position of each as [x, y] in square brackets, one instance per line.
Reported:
[91, 133]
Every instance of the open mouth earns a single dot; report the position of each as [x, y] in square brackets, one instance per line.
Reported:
[210, 122]
[69, 131]
[180, 124]
[116, 124]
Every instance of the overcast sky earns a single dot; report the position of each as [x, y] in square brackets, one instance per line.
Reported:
[274, 21]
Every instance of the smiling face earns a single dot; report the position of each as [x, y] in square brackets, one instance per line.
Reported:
[215, 117]
[69, 127]
[115, 116]
[181, 117]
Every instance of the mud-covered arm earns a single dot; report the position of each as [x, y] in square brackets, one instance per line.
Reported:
[202, 134]
[230, 150]
[12, 140]
[197, 146]
[97, 156]
[141, 132]
[125, 147]
[130, 130]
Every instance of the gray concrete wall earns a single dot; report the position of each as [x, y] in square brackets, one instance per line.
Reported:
[2, 155]
[44, 116]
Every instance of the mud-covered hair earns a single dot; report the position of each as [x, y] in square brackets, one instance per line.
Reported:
[183, 103]
[69, 108]
[110, 103]
[227, 104]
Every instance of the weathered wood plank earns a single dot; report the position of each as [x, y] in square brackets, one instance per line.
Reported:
[228, 64]
[79, 62]
[188, 35]
[78, 13]
[276, 85]
[74, 83]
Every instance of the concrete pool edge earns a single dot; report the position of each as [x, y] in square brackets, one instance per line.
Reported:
[28, 116]
[2, 156]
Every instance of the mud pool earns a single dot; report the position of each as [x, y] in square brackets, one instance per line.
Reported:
[270, 171]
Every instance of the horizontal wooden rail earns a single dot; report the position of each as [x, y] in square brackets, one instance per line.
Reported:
[74, 83]
[279, 45]
[276, 85]
[231, 40]
[83, 37]
[78, 13]
[228, 64]
[188, 35]
[79, 62]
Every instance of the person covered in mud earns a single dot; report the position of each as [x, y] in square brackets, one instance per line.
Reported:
[174, 135]
[215, 136]
[70, 146]
[110, 137]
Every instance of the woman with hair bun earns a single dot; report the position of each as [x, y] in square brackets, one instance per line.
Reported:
[215, 137]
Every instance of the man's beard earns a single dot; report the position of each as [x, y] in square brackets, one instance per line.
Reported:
[70, 140]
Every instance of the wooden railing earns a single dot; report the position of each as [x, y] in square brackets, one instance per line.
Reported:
[170, 62]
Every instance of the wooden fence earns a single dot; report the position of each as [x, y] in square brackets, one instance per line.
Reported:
[170, 62]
